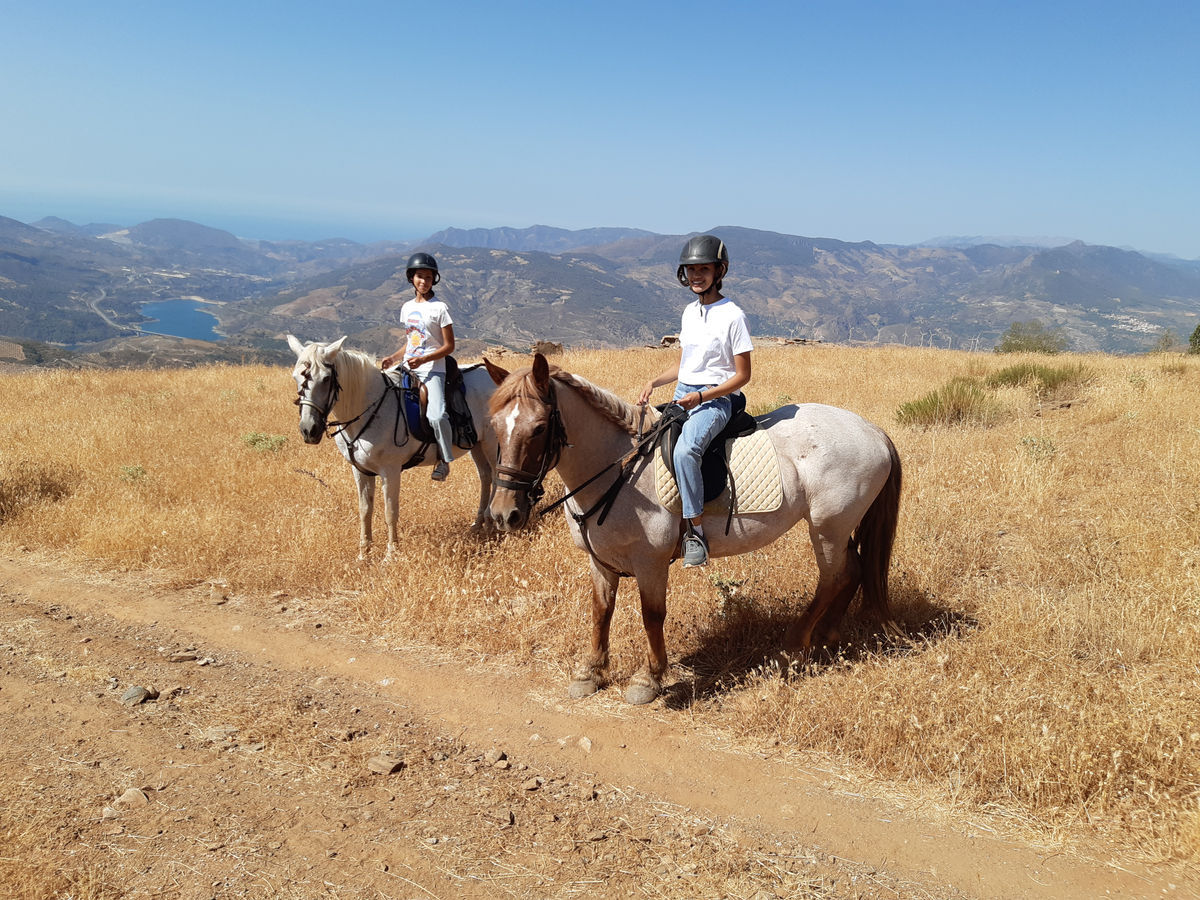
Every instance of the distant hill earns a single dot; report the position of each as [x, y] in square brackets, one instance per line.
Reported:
[61, 285]
[537, 237]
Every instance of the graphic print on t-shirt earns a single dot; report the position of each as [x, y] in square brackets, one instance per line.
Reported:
[415, 334]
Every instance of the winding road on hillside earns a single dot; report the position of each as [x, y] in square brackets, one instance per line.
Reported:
[285, 752]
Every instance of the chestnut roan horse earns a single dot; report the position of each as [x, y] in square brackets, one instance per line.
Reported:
[839, 472]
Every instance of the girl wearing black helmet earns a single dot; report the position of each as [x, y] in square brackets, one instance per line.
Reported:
[428, 340]
[714, 365]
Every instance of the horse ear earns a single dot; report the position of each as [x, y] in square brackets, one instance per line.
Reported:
[294, 343]
[331, 351]
[498, 374]
[541, 373]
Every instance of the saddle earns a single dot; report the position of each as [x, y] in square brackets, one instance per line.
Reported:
[713, 465]
[416, 399]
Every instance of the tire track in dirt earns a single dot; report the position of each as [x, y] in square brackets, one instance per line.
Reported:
[650, 752]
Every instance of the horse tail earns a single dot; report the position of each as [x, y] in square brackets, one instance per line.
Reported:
[873, 541]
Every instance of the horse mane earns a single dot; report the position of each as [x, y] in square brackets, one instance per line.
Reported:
[624, 415]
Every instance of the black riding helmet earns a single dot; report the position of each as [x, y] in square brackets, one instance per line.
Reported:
[703, 248]
[422, 261]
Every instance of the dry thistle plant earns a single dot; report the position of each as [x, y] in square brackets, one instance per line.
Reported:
[1047, 567]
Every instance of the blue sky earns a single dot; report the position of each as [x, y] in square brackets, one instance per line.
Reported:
[892, 122]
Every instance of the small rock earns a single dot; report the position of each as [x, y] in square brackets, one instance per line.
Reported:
[183, 657]
[532, 784]
[494, 756]
[136, 694]
[386, 764]
[585, 744]
[134, 797]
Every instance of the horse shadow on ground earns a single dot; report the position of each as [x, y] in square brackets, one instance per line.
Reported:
[747, 637]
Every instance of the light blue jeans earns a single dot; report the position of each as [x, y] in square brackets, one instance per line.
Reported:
[703, 424]
[435, 412]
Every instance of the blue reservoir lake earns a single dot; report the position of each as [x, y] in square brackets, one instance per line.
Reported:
[181, 318]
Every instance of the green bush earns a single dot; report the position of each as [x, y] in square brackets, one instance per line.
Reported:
[1041, 378]
[959, 401]
[1032, 337]
[264, 443]
[1194, 341]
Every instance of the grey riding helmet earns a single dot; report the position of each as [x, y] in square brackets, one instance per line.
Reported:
[422, 261]
[703, 248]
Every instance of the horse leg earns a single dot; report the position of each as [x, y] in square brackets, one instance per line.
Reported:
[837, 583]
[826, 630]
[646, 684]
[591, 675]
[483, 521]
[365, 485]
[391, 510]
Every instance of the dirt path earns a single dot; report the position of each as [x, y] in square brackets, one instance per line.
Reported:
[253, 775]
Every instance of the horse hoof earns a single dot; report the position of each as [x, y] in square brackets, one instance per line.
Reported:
[639, 693]
[582, 687]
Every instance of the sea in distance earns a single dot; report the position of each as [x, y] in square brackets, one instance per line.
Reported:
[181, 318]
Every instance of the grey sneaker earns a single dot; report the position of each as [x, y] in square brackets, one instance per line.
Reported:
[441, 470]
[695, 551]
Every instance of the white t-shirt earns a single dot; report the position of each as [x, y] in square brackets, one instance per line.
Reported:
[710, 337]
[421, 334]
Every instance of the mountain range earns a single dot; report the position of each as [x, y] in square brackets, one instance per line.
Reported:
[73, 293]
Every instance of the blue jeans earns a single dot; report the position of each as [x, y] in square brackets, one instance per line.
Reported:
[435, 412]
[703, 424]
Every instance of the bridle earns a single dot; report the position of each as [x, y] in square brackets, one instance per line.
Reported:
[514, 479]
[556, 440]
[339, 429]
[303, 398]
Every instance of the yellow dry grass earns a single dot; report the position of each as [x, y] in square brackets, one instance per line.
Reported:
[1046, 568]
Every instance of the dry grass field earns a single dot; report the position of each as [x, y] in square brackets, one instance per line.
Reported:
[1047, 569]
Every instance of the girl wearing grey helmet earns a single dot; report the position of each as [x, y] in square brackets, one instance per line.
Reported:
[713, 367]
[428, 340]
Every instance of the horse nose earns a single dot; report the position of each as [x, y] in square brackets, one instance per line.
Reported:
[506, 520]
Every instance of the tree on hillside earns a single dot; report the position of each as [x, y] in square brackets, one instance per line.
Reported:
[1168, 342]
[1194, 341]
[1032, 337]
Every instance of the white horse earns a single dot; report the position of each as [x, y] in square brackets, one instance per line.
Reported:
[839, 472]
[345, 390]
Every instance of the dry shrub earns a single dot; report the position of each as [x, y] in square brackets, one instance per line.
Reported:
[1047, 568]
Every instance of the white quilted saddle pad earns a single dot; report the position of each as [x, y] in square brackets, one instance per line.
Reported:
[754, 469]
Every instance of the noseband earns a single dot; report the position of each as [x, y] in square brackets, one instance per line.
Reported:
[515, 479]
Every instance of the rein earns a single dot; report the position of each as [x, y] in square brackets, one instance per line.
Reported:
[556, 440]
[338, 429]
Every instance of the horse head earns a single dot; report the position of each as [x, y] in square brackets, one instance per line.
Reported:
[524, 417]
[316, 384]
